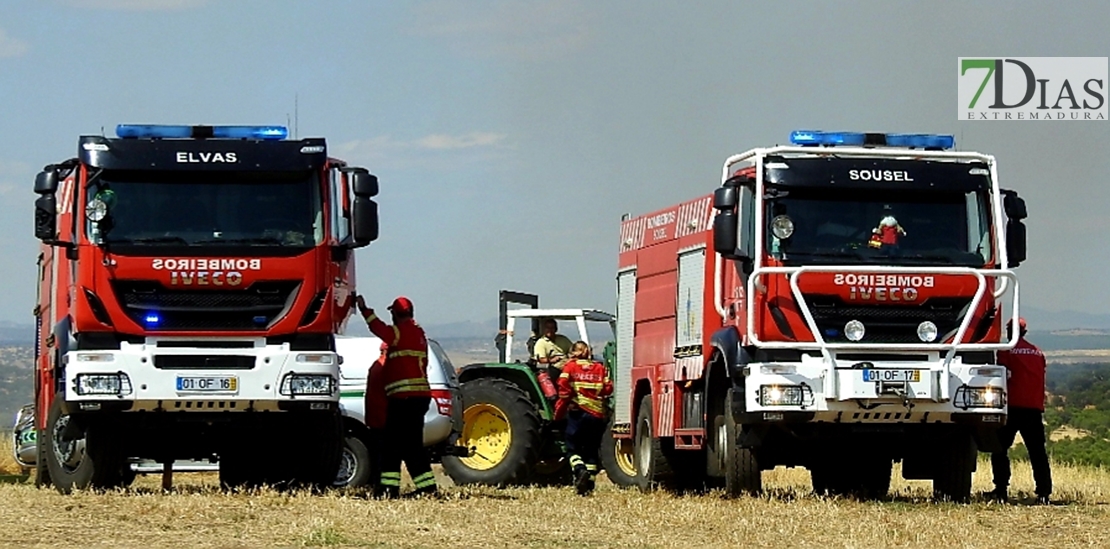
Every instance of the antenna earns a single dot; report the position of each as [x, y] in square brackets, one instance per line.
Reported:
[296, 117]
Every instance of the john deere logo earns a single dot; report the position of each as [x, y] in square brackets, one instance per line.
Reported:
[1032, 88]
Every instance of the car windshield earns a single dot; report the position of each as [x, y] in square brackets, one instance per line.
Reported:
[879, 226]
[206, 209]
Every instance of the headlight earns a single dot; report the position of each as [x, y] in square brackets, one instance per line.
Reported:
[306, 384]
[927, 331]
[782, 227]
[980, 397]
[316, 358]
[96, 210]
[854, 330]
[103, 384]
[783, 395]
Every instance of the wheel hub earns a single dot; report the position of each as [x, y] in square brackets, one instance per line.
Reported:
[626, 459]
[348, 464]
[486, 430]
[68, 453]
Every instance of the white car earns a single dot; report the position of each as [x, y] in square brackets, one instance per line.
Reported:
[442, 421]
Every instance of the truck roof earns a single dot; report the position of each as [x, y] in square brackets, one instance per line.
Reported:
[678, 221]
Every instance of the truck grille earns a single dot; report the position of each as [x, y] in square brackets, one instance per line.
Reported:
[255, 307]
[887, 323]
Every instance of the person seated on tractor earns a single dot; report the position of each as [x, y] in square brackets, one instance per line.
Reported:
[551, 348]
[583, 386]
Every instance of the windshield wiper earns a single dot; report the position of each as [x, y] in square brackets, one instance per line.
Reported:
[149, 240]
[267, 240]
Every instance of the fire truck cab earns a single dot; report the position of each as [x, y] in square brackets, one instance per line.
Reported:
[836, 304]
[191, 283]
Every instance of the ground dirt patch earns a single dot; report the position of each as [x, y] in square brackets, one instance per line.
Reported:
[197, 514]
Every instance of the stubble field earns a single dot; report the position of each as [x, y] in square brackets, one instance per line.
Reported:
[197, 514]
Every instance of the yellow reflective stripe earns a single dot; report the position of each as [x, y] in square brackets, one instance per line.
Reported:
[407, 386]
[587, 385]
[391, 479]
[591, 405]
[420, 354]
[591, 467]
[425, 480]
[396, 335]
[576, 460]
[371, 318]
[564, 375]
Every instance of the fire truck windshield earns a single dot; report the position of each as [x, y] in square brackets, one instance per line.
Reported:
[151, 208]
[809, 225]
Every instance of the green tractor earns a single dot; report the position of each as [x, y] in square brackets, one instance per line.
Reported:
[508, 424]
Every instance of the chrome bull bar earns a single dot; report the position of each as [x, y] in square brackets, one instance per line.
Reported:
[828, 350]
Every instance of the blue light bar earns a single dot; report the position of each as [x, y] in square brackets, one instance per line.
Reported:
[858, 139]
[250, 132]
[920, 140]
[132, 131]
[805, 137]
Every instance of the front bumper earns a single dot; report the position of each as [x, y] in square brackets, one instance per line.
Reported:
[879, 391]
[165, 377]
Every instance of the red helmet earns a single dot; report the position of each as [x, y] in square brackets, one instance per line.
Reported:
[401, 305]
[1021, 324]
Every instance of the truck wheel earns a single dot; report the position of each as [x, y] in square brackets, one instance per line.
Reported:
[652, 467]
[956, 465]
[618, 459]
[502, 428]
[92, 461]
[355, 466]
[874, 479]
[741, 466]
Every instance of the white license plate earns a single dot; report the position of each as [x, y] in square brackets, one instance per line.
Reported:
[885, 374]
[207, 384]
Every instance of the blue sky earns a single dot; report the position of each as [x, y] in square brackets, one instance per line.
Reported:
[510, 136]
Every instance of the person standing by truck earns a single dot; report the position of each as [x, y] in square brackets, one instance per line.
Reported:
[408, 396]
[1026, 365]
[583, 385]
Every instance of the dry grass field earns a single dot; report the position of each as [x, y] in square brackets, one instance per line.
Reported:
[197, 514]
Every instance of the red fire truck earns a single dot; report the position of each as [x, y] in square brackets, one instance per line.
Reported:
[191, 282]
[836, 304]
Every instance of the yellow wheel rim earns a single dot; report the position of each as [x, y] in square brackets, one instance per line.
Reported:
[487, 432]
[624, 455]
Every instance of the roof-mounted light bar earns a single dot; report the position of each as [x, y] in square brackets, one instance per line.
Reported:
[269, 133]
[807, 138]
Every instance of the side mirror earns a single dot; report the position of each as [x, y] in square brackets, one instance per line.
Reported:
[46, 217]
[1015, 242]
[725, 233]
[1014, 206]
[364, 221]
[364, 183]
[724, 198]
[46, 182]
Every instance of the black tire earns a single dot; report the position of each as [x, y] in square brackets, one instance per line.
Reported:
[618, 458]
[741, 465]
[356, 465]
[515, 466]
[955, 467]
[653, 469]
[91, 462]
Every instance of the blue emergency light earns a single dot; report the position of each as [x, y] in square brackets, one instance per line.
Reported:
[859, 139]
[152, 319]
[132, 131]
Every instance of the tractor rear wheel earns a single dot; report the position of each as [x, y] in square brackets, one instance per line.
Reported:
[501, 427]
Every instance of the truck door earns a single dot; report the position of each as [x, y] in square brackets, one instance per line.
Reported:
[626, 322]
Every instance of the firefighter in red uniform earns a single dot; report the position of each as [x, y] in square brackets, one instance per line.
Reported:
[1026, 365]
[408, 395]
[583, 385]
